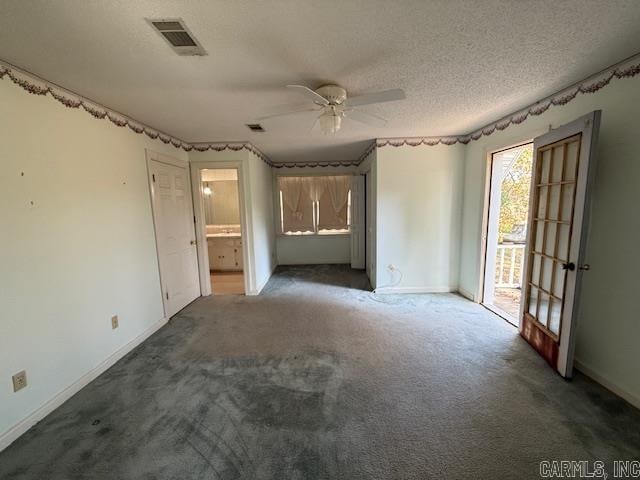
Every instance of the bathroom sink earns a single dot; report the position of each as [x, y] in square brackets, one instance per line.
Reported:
[224, 234]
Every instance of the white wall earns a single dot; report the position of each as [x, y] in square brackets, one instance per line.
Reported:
[418, 217]
[262, 219]
[76, 247]
[608, 326]
[309, 249]
[313, 249]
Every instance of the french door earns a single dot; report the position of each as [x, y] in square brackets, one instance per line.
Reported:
[558, 219]
[175, 234]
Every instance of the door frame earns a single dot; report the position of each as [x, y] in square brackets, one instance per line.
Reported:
[486, 209]
[588, 125]
[151, 155]
[200, 223]
[367, 213]
[370, 225]
[358, 220]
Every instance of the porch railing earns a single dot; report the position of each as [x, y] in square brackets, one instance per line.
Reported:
[509, 265]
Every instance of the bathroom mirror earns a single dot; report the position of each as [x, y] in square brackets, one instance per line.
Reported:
[221, 206]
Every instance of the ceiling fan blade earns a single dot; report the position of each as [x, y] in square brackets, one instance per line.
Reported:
[366, 118]
[291, 110]
[310, 94]
[376, 97]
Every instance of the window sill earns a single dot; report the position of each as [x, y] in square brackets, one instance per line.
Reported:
[327, 234]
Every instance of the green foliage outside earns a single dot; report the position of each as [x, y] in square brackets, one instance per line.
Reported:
[515, 194]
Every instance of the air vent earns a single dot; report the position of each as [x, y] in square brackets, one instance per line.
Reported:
[179, 39]
[164, 26]
[255, 127]
[177, 35]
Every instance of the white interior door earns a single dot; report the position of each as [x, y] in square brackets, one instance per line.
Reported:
[563, 170]
[175, 234]
[357, 222]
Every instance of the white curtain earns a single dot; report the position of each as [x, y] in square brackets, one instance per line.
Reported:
[333, 202]
[301, 195]
[297, 204]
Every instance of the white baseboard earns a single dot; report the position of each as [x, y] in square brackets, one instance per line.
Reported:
[317, 261]
[11, 435]
[262, 284]
[619, 391]
[466, 294]
[390, 290]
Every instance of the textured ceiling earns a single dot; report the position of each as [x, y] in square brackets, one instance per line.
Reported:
[462, 63]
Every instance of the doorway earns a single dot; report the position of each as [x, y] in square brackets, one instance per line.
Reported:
[506, 234]
[221, 205]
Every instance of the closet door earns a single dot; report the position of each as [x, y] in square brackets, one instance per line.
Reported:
[175, 234]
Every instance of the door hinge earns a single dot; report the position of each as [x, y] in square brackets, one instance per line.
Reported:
[167, 294]
[194, 219]
[153, 177]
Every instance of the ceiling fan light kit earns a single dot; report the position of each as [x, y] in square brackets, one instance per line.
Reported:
[330, 121]
[333, 103]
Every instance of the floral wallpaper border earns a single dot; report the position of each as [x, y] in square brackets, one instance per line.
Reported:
[234, 146]
[31, 83]
[626, 69]
[37, 86]
[354, 163]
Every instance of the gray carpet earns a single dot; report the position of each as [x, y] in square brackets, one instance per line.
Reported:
[315, 379]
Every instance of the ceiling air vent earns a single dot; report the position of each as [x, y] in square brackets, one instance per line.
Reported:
[255, 127]
[177, 35]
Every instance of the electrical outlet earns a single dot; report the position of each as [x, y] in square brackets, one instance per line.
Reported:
[114, 322]
[19, 380]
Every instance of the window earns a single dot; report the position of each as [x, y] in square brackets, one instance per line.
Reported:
[314, 205]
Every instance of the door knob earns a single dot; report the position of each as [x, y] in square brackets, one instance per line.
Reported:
[569, 266]
[192, 242]
[586, 267]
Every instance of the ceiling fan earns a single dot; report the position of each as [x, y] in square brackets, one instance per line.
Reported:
[334, 104]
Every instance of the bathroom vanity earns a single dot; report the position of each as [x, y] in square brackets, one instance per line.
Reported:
[225, 251]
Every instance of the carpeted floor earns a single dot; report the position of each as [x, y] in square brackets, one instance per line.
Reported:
[315, 379]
